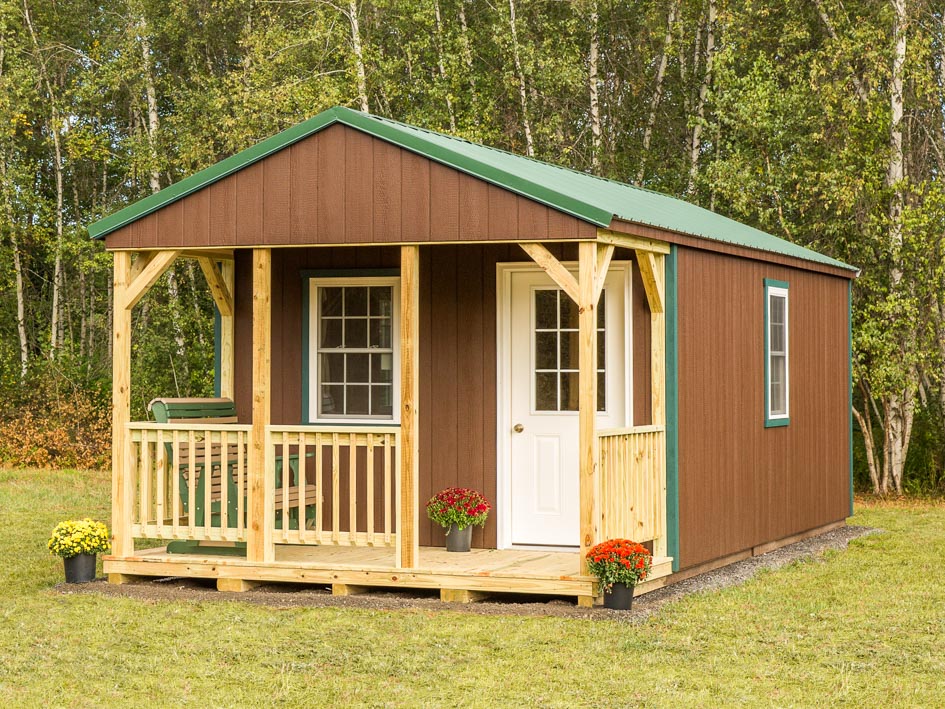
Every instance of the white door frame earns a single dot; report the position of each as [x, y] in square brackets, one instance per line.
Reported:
[504, 273]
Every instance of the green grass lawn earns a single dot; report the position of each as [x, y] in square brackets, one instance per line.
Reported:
[866, 627]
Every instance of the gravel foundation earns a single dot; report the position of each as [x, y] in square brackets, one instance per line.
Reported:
[296, 595]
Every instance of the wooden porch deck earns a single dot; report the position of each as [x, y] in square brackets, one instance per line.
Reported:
[458, 577]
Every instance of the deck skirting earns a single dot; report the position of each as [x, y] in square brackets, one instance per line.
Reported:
[482, 571]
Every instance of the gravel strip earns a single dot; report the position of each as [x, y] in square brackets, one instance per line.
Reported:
[297, 596]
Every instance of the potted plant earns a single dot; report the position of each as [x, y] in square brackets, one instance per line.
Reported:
[77, 542]
[458, 510]
[619, 564]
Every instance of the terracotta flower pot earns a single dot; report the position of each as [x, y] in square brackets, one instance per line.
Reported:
[458, 539]
[620, 597]
[80, 568]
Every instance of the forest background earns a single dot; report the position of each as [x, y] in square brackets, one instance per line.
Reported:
[819, 121]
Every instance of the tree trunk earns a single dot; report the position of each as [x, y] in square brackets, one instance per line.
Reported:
[442, 65]
[866, 427]
[899, 405]
[695, 145]
[467, 51]
[658, 88]
[358, 55]
[592, 87]
[522, 88]
[154, 120]
[55, 125]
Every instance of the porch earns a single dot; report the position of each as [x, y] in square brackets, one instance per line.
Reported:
[346, 510]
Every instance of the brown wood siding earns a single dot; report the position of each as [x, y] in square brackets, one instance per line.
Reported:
[342, 186]
[457, 355]
[741, 484]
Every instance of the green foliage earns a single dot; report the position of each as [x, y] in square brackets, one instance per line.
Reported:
[795, 139]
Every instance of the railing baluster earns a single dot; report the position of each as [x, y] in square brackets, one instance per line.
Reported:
[144, 464]
[302, 483]
[370, 488]
[174, 472]
[223, 443]
[335, 490]
[388, 497]
[207, 485]
[319, 494]
[240, 484]
[352, 487]
[286, 484]
[159, 463]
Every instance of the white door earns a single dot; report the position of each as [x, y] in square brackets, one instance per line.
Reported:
[543, 382]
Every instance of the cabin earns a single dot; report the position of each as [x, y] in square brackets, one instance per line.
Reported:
[401, 311]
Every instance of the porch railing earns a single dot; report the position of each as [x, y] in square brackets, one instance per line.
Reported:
[189, 481]
[330, 485]
[632, 465]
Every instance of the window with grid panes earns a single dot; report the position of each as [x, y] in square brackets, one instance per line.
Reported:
[556, 352]
[356, 341]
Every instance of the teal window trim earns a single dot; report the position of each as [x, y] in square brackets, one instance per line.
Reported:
[672, 409]
[306, 277]
[785, 419]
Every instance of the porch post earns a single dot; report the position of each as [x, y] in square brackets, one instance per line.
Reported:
[587, 398]
[259, 544]
[227, 386]
[408, 528]
[658, 384]
[122, 484]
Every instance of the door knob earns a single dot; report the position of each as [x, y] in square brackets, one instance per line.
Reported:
[518, 428]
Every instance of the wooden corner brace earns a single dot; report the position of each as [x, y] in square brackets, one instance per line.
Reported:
[221, 293]
[144, 274]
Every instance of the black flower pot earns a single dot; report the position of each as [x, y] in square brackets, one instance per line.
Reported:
[80, 568]
[458, 539]
[620, 597]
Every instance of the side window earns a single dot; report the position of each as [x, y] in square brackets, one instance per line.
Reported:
[777, 354]
[353, 349]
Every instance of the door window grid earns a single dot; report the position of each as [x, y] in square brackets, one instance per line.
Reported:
[355, 351]
[556, 348]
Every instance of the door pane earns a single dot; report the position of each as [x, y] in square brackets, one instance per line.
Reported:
[556, 353]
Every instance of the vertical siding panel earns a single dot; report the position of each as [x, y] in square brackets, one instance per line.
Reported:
[427, 384]
[491, 256]
[331, 185]
[197, 219]
[170, 224]
[243, 336]
[415, 189]
[503, 214]
[444, 203]
[561, 225]
[640, 320]
[359, 187]
[443, 369]
[387, 192]
[470, 365]
[740, 483]
[277, 197]
[223, 212]
[473, 209]
[249, 205]
[303, 201]
[532, 219]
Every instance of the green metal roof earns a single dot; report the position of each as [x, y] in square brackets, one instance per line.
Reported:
[584, 196]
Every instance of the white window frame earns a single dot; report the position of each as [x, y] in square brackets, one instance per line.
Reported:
[777, 289]
[312, 354]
